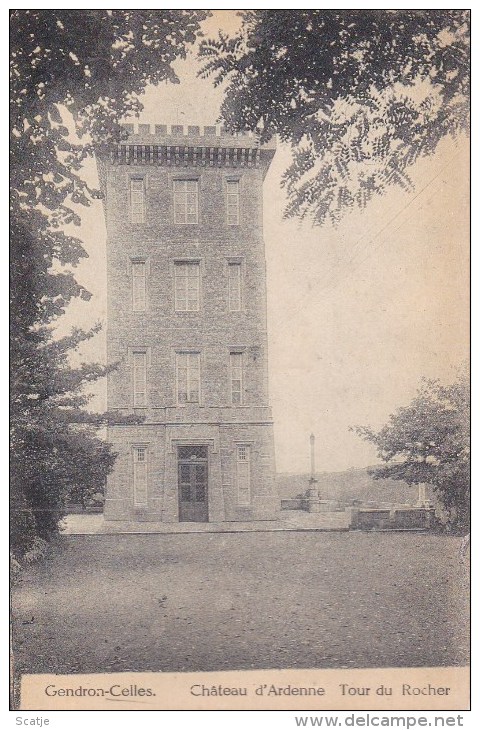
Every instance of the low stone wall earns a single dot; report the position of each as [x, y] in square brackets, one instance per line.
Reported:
[370, 519]
[417, 517]
[303, 503]
[413, 518]
[296, 503]
[398, 517]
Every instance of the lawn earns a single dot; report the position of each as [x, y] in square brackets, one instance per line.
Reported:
[240, 601]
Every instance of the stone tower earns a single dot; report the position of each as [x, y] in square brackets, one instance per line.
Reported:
[187, 325]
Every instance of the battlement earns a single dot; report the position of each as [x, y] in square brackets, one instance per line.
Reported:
[174, 145]
[191, 135]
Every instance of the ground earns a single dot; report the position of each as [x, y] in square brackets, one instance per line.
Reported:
[241, 601]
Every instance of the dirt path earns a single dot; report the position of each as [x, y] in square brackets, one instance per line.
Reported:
[240, 601]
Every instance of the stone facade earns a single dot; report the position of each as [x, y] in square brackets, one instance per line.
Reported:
[184, 214]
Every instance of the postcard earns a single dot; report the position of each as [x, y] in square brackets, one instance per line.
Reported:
[240, 346]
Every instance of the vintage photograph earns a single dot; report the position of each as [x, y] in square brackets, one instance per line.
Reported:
[240, 389]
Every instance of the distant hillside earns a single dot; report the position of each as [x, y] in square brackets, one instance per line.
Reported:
[349, 485]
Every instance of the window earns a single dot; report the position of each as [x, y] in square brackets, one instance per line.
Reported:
[243, 475]
[185, 201]
[233, 202]
[236, 378]
[139, 379]
[139, 286]
[137, 200]
[140, 465]
[234, 286]
[188, 377]
[187, 286]
[193, 451]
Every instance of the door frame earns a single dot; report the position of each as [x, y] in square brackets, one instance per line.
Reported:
[190, 462]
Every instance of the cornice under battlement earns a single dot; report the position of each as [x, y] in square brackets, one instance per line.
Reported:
[196, 156]
[193, 146]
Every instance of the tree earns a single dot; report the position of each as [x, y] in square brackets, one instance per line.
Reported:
[359, 94]
[54, 450]
[428, 441]
[84, 68]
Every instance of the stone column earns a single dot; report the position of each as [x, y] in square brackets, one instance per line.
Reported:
[312, 493]
[422, 500]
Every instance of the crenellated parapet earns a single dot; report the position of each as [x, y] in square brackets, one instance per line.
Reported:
[195, 146]
[140, 132]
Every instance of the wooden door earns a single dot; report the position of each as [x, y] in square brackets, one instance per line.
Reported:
[193, 484]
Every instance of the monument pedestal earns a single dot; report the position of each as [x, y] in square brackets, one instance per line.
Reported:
[313, 496]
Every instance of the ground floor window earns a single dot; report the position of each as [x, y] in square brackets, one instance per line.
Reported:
[140, 475]
[243, 474]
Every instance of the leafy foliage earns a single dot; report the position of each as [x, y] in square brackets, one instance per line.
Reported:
[80, 68]
[359, 94]
[428, 442]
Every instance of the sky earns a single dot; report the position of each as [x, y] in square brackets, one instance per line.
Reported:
[357, 314]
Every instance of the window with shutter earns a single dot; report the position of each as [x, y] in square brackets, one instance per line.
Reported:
[137, 200]
[233, 202]
[234, 286]
[188, 377]
[185, 201]
[139, 379]
[243, 475]
[187, 286]
[140, 475]
[139, 286]
[236, 378]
